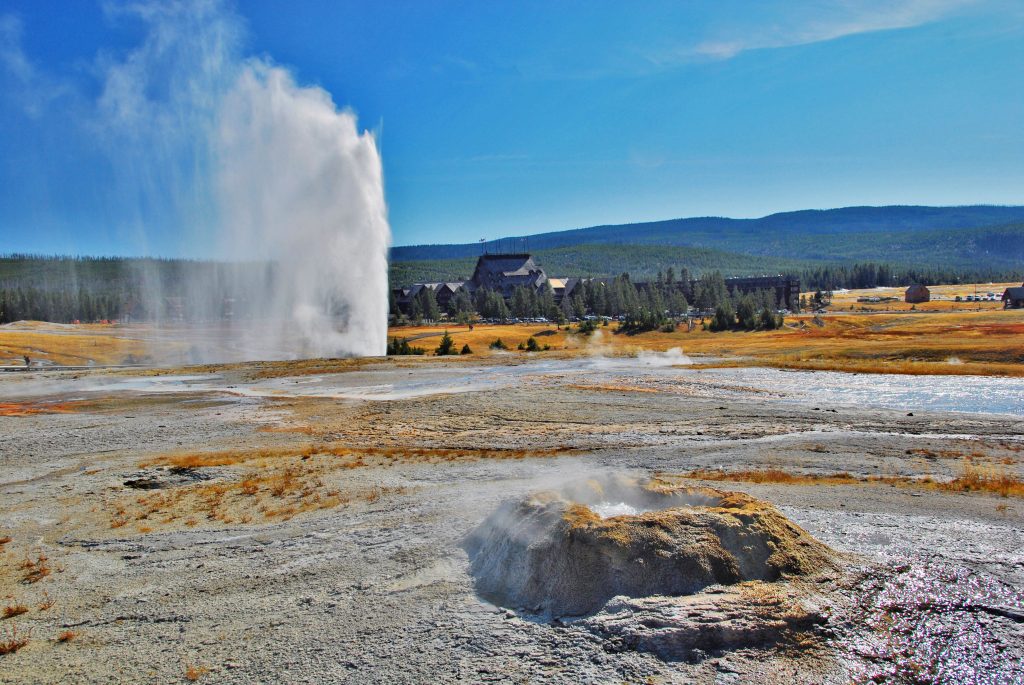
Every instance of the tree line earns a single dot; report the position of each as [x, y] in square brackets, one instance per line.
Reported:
[65, 289]
[62, 306]
[638, 306]
[874, 275]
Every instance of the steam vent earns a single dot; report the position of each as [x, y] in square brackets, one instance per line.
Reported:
[567, 553]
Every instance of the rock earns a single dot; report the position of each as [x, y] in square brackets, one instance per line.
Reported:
[159, 478]
[694, 627]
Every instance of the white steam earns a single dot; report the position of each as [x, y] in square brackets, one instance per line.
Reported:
[671, 357]
[220, 156]
[300, 183]
[602, 356]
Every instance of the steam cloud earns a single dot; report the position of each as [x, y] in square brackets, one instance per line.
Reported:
[228, 157]
[298, 179]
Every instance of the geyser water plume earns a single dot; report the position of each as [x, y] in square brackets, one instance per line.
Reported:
[231, 159]
[299, 184]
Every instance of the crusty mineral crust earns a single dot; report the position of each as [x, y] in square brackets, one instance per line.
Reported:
[553, 555]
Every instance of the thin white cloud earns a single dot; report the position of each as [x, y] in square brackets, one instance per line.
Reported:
[694, 34]
[11, 54]
[31, 89]
[805, 24]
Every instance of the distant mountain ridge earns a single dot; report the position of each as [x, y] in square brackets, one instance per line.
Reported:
[830, 234]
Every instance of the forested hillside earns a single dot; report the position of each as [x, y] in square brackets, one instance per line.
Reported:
[644, 262]
[950, 236]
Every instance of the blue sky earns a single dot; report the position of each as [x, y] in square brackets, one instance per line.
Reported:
[501, 118]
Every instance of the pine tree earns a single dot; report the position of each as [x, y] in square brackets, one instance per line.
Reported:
[446, 347]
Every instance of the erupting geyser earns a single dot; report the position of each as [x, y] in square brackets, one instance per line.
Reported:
[249, 167]
[550, 553]
[301, 187]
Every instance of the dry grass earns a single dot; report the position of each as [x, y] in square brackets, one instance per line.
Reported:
[944, 298]
[13, 610]
[277, 495]
[67, 636]
[194, 673]
[279, 483]
[68, 345]
[771, 475]
[47, 602]
[973, 477]
[989, 342]
[936, 339]
[12, 641]
[480, 338]
[944, 454]
[991, 478]
[5, 539]
[35, 570]
[301, 367]
[985, 343]
[906, 368]
[598, 387]
[352, 456]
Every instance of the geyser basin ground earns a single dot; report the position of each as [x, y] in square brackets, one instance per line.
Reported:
[323, 542]
[550, 553]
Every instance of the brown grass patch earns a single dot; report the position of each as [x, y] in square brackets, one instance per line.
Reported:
[302, 367]
[67, 636]
[974, 477]
[771, 475]
[957, 342]
[612, 388]
[992, 478]
[47, 602]
[944, 454]
[12, 641]
[70, 347]
[194, 673]
[300, 429]
[5, 539]
[279, 483]
[480, 338]
[35, 570]
[13, 610]
[893, 366]
[265, 456]
[276, 486]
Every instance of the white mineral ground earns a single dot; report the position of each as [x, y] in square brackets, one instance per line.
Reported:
[373, 584]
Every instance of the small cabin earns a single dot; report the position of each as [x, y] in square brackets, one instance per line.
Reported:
[917, 293]
[1013, 298]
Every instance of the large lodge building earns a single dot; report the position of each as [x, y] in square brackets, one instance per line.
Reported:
[503, 273]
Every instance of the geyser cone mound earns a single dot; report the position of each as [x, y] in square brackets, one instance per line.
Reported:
[553, 553]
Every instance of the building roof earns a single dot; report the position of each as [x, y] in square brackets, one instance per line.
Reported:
[506, 264]
[505, 272]
[1014, 293]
